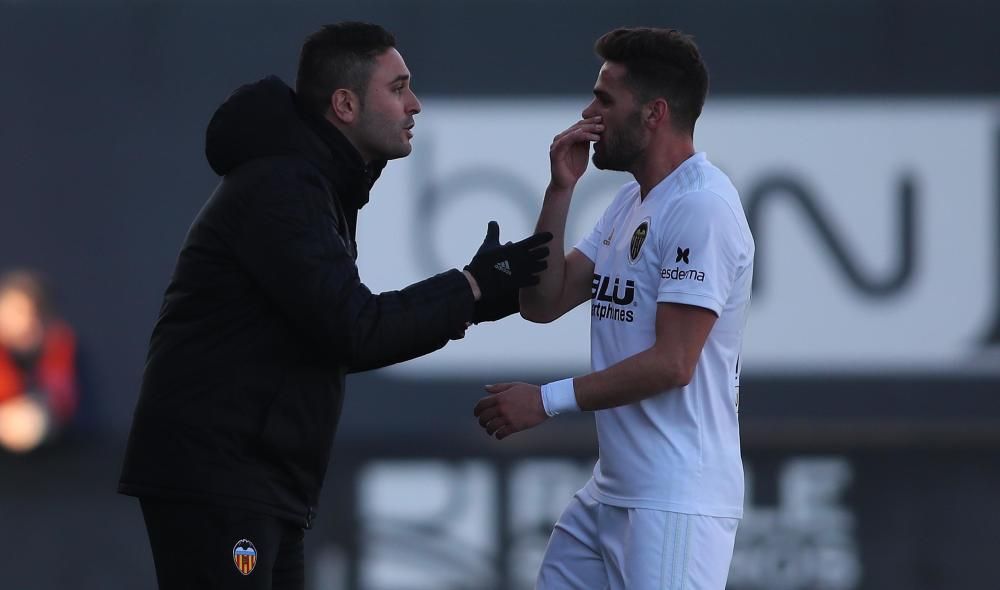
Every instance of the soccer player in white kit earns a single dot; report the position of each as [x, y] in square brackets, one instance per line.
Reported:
[668, 269]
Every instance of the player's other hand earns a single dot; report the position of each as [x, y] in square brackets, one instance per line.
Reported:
[510, 408]
[570, 151]
[501, 269]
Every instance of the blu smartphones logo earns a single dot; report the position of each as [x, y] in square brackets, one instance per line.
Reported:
[601, 290]
[609, 301]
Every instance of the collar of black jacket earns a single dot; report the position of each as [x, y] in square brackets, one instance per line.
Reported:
[262, 119]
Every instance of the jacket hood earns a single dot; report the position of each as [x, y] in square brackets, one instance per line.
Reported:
[263, 119]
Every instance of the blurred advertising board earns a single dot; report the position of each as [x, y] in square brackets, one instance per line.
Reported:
[876, 223]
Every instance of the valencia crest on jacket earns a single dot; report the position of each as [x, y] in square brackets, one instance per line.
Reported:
[245, 556]
[638, 239]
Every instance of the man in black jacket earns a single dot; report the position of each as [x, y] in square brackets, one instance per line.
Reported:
[265, 314]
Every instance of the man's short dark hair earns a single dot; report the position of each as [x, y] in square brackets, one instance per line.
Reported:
[660, 63]
[338, 56]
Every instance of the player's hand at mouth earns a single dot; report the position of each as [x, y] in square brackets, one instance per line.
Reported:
[570, 152]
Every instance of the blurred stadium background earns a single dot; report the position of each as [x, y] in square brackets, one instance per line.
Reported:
[864, 136]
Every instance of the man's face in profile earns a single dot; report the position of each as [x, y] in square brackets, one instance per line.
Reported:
[385, 124]
[624, 138]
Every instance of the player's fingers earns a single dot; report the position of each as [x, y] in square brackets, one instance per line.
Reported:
[487, 415]
[496, 424]
[560, 141]
[504, 432]
[498, 387]
[586, 133]
[484, 404]
[590, 123]
[575, 136]
[561, 135]
[571, 129]
[588, 128]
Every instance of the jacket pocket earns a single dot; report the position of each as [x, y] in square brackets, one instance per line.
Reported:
[299, 423]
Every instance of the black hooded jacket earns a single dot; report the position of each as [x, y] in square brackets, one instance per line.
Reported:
[265, 314]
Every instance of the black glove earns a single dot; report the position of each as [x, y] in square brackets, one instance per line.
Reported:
[500, 270]
[491, 309]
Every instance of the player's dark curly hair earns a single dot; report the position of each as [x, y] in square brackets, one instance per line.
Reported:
[660, 63]
[338, 56]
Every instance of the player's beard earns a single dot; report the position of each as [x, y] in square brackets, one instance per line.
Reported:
[620, 149]
[383, 137]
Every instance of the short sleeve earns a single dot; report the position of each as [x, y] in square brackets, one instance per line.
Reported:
[591, 243]
[701, 252]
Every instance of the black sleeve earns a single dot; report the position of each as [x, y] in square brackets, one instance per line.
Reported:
[288, 241]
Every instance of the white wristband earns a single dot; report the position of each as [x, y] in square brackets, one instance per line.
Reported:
[559, 397]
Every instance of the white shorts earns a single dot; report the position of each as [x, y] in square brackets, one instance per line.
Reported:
[595, 546]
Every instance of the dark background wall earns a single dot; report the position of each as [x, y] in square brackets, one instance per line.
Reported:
[101, 171]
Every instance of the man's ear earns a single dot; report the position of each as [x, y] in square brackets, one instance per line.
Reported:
[656, 113]
[345, 105]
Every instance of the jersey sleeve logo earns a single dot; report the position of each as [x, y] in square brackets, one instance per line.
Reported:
[679, 274]
[638, 239]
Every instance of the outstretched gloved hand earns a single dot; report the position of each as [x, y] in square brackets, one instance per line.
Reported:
[502, 269]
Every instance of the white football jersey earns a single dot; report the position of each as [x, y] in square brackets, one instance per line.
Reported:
[687, 242]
